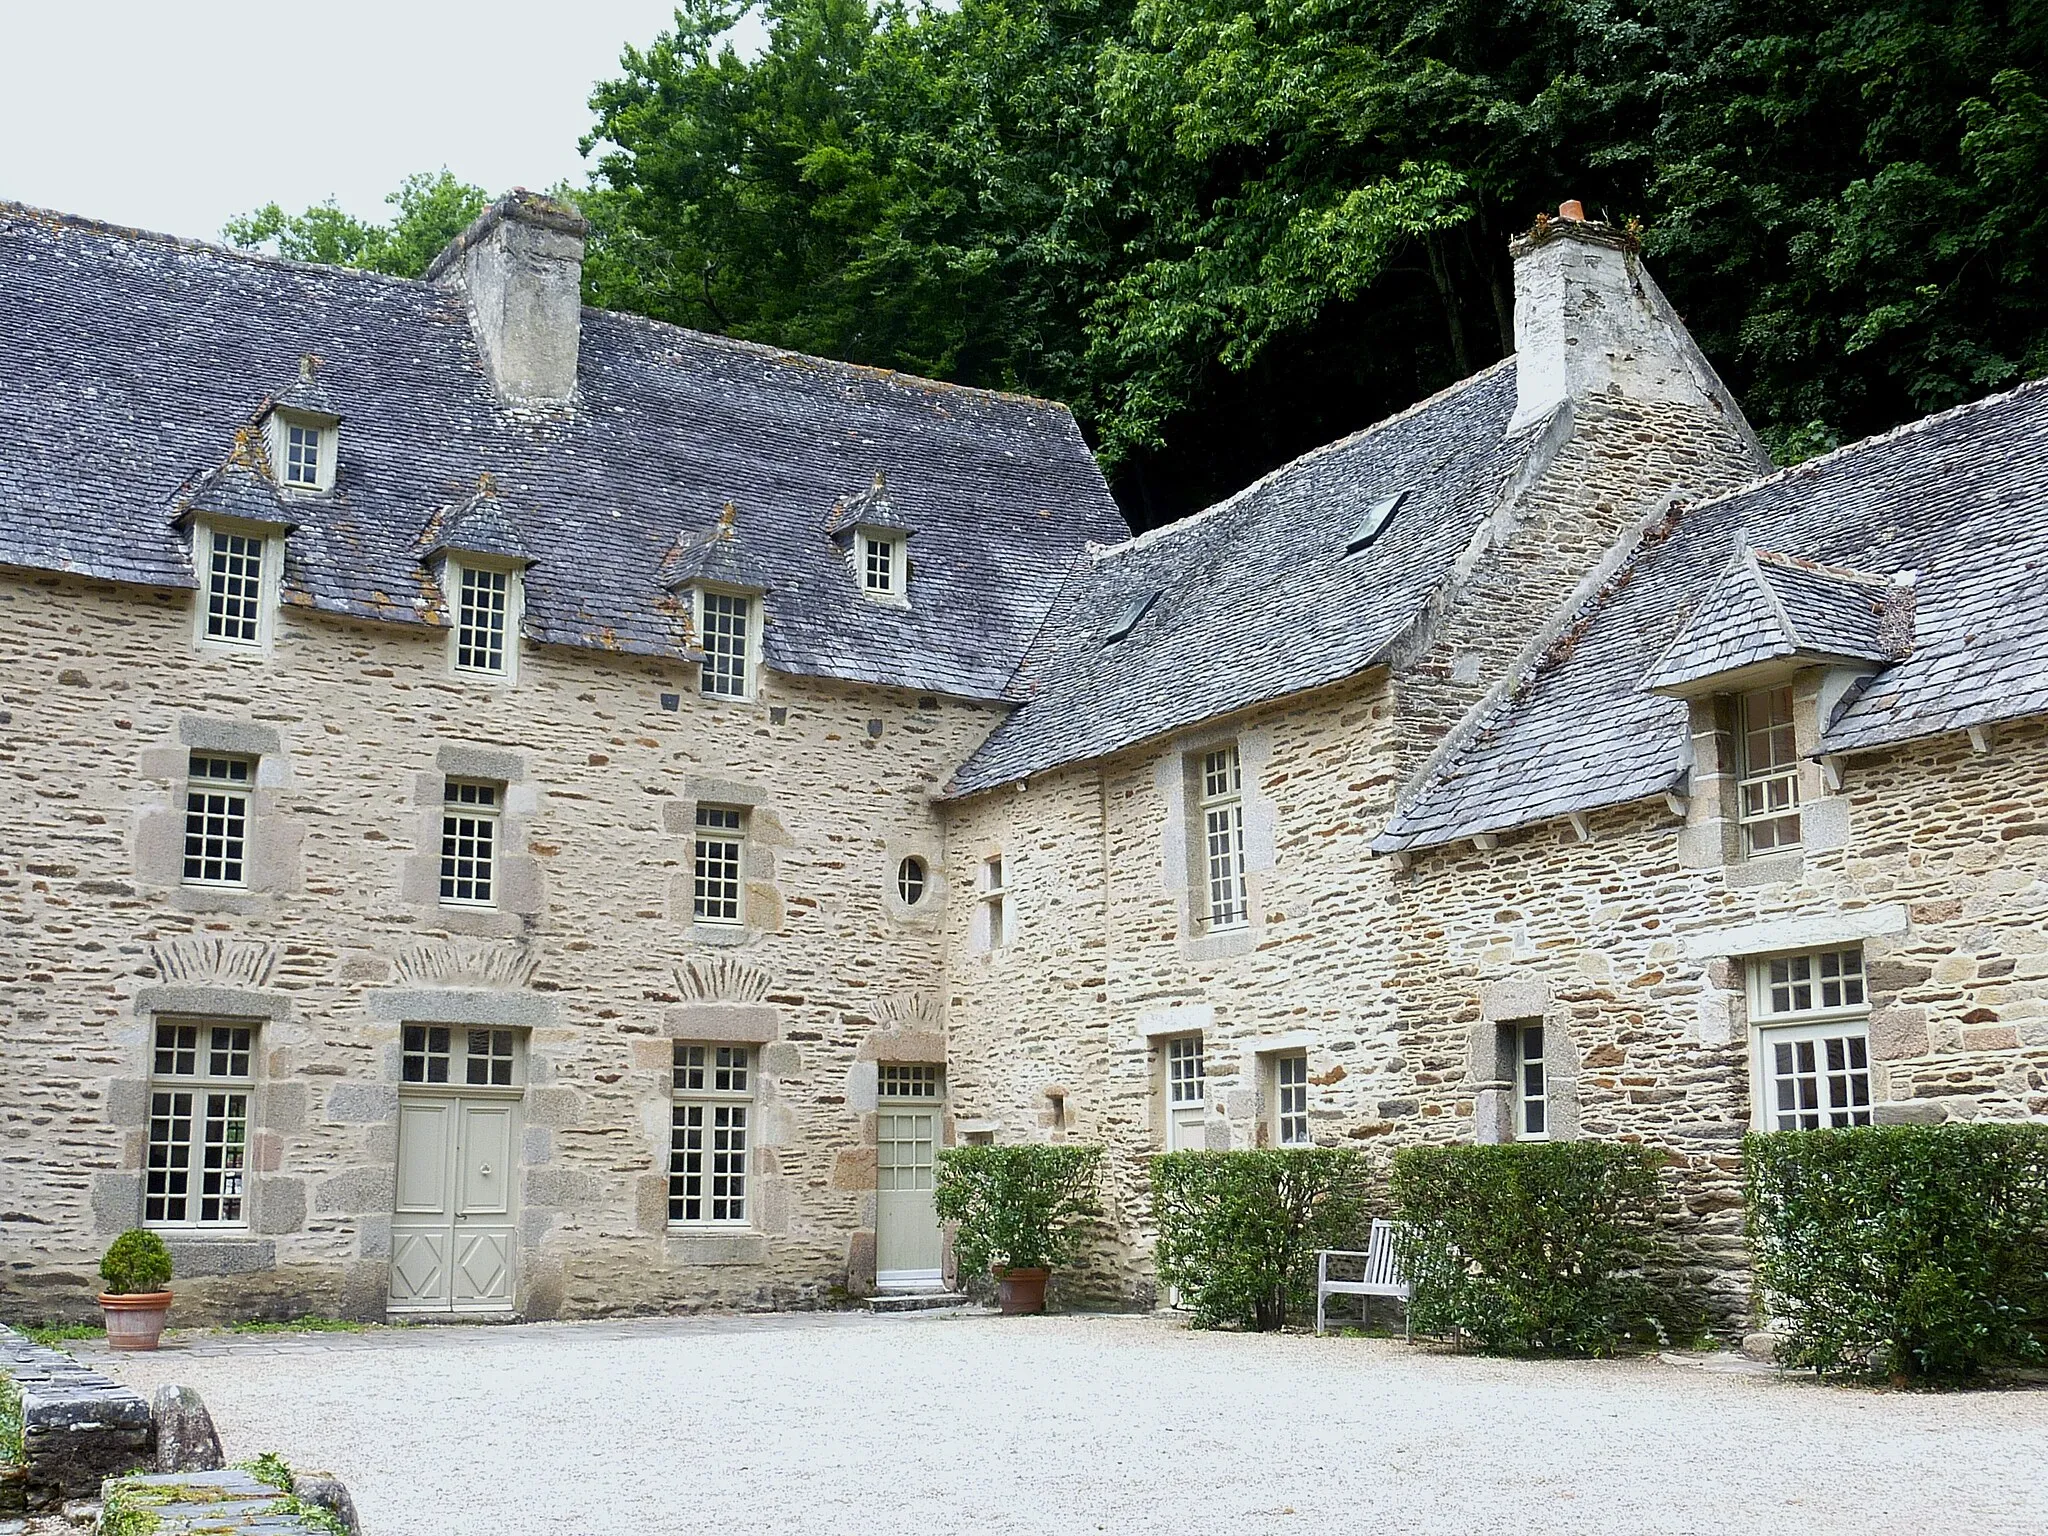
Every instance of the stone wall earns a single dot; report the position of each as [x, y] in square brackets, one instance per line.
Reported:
[591, 954]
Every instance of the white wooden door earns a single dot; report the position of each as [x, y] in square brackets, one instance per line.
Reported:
[1187, 1095]
[452, 1241]
[907, 1244]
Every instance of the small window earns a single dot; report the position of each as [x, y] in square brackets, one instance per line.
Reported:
[995, 912]
[721, 844]
[234, 587]
[1767, 772]
[426, 1052]
[1828, 981]
[489, 1063]
[908, 1081]
[884, 566]
[201, 1078]
[1375, 520]
[469, 844]
[1223, 837]
[725, 620]
[482, 620]
[302, 456]
[1185, 1082]
[1128, 615]
[1290, 1082]
[217, 819]
[1532, 1106]
[709, 1126]
[910, 880]
[1813, 1039]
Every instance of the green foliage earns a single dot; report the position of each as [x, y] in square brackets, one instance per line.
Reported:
[432, 208]
[1907, 1251]
[1238, 1231]
[312, 1322]
[131, 1508]
[135, 1263]
[1533, 1245]
[57, 1335]
[269, 1467]
[1017, 1207]
[11, 1453]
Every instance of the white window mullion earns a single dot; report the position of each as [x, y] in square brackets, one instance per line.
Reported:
[710, 1135]
[196, 1166]
[1223, 837]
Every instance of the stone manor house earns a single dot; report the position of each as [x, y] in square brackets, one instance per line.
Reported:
[516, 808]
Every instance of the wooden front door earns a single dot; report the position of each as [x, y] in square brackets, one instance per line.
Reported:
[453, 1247]
[908, 1249]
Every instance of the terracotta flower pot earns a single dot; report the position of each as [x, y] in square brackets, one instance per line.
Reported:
[137, 1321]
[1021, 1291]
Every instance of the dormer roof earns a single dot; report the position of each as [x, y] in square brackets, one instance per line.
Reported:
[714, 557]
[871, 509]
[239, 488]
[482, 523]
[1769, 612]
[306, 396]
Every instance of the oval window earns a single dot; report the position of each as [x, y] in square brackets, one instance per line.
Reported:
[910, 880]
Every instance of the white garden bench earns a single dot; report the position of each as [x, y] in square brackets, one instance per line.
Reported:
[1381, 1274]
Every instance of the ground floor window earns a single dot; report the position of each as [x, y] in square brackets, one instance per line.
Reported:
[708, 1138]
[1290, 1082]
[1817, 1076]
[199, 1091]
[1532, 1089]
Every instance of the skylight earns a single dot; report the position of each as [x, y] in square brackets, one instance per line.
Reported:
[1375, 519]
[1127, 616]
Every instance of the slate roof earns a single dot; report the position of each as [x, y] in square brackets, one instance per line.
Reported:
[1960, 499]
[1769, 608]
[480, 524]
[128, 360]
[240, 487]
[1256, 597]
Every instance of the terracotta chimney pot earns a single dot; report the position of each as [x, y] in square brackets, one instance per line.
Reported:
[1572, 209]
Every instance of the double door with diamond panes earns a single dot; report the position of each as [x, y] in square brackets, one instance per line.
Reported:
[908, 1249]
[453, 1240]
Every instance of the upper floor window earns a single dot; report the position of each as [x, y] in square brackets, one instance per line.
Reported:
[719, 864]
[884, 565]
[1767, 771]
[302, 455]
[1290, 1099]
[483, 620]
[1532, 1088]
[200, 1081]
[217, 819]
[1813, 1038]
[910, 880]
[234, 578]
[302, 449]
[995, 906]
[1223, 836]
[709, 1134]
[469, 843]
[725, 622]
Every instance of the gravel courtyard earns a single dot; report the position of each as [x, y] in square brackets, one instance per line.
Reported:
[955, 1423]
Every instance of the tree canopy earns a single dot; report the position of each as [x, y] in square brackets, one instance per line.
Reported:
[432, 208]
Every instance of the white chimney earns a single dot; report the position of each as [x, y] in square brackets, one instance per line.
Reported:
[1590, 321]
[521, 264]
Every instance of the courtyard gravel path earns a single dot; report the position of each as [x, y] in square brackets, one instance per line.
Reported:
[956, 1423]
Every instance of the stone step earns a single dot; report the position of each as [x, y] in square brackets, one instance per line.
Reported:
[229, 1502]
[915, 1301]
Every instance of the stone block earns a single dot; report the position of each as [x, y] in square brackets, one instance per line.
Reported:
[354, 1191]
[740, 1023]
[860, 1263]
[116, 1201]
[1522, 997]
[854, 1168]
[186, 1440]
[323, 1490]
[1909, 1112]
[362, 1103]
[553, 1107]
[717, 1250]
[195, 1257]
[1991, 1037]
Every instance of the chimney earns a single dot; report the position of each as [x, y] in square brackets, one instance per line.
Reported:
[1589, 321]
[521, 264]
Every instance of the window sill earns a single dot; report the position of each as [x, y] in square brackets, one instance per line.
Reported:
[720, 935]
[1767, 869]
[715, 1246]
[1222, 944]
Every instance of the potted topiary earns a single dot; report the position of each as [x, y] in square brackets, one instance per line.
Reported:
[137, 1270]
[1017, 1209]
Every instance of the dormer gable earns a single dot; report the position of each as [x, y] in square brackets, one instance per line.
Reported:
[240, 490]
[714, 557]
[302, 433]
[483, 523]
[875, 539]
[725, 585]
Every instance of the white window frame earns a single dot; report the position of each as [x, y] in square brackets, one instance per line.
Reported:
[221, 585]
[462, 1058]
[1226, 900]
[712, 1093]
[718, 866]
[1816, 1005]
[716, 676]
[913, 879]
[1526, 1039]
[1767, 797]
[472, 842]
[280, 435]
[462, 647]
[215, 1109]
[993, 900]
[1290, 1100]
[898, 1082]
[219, 817]
[881, 564]
[1187, 1077]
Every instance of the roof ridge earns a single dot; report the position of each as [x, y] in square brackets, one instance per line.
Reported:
[1821, 568]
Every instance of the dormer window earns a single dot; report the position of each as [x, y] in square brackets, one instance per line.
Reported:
[303, 427]
[1767, 771]
[238, 585]
[302, 456]
[883, 565]
[725, 624]
[486, 601]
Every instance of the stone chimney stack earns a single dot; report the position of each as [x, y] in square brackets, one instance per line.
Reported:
[521, 264]
[1590, 322]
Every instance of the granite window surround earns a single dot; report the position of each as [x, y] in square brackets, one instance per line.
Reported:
[762, 905]
[1713, 834]
[519, 889]
[929, 911]
[272, 865]
[1494, 1062]
[1178, 780]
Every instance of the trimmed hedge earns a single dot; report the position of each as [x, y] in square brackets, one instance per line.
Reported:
[1534, 1245]
[1915, 1252]
[1238, 1231]
[1017, 1207]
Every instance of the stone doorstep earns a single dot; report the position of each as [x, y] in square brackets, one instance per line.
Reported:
[227, 1501]
[915, 1301]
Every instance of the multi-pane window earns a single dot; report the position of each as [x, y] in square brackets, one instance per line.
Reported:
[881, 565]
[1767, 771]
[1532, 1098]
[1223, 836]
[469, 843]
[234, 587]
[427, 1055]
[1185, 1083]
[1290, 1083]
[426, 1052]
[217, 819]
[899, 1080]
[482, 611]
[723, 634]
[707, 1165]
[721, 843]
[301, 456]
[201, 1077]
[995, 907]
[1814, 1039]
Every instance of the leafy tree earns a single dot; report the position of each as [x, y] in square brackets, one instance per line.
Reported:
[432, 208]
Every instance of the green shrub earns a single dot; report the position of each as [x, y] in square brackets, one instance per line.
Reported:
[1908, 1251]
[1017, 1207]
[136, 1262]
[1238, 1231]
[1533, 1245]
[10, 1423]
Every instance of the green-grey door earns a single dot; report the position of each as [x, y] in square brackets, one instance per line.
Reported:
[453, 1246]
[907, 1244]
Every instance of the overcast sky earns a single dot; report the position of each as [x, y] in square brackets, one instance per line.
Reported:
[176, 116]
